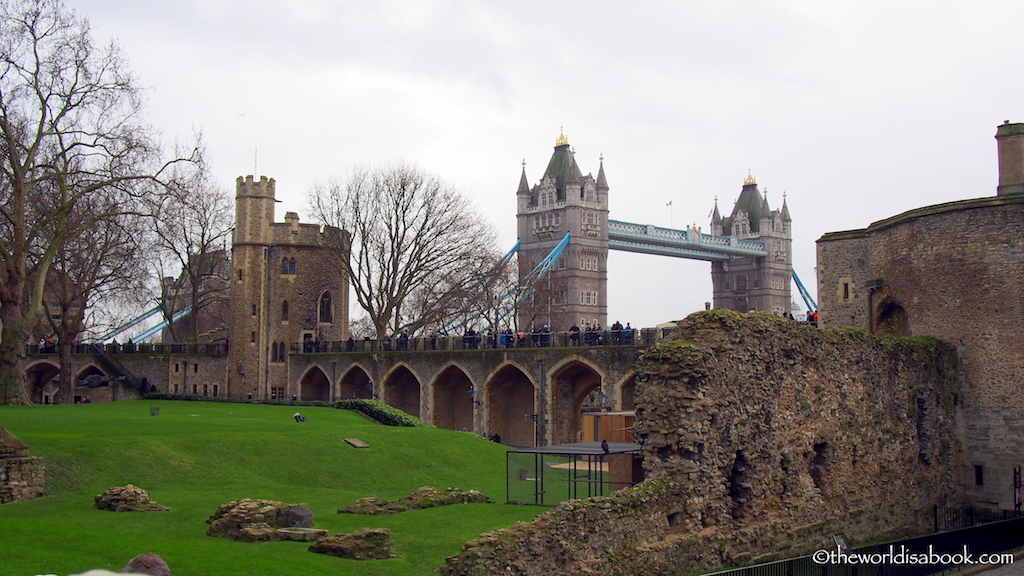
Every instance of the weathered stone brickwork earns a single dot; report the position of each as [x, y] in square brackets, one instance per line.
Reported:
[954, 271]
[21, 476]
[288, 286]
[761, 438]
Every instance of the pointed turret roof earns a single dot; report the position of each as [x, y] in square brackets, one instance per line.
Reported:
[602, 182]
[524, 184]
[716, 218]
[562, 166]
[751, 202]
[785, 209]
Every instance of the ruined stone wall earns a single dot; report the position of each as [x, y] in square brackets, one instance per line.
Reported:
[761, 437]
[21, 475]
[21, 479]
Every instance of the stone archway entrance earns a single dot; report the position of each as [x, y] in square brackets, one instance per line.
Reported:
[44, 383]
[570, 385]
[355, 383]
[892, 320]
[452, 402]
[402, 390]
[510, 397]
[314, 385]
[627, 393]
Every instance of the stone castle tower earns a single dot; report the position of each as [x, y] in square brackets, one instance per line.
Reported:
[575, 290]
[288, 292]
[747, 283]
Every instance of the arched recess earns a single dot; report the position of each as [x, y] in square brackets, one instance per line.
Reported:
[356, 383]
[44, 380]
[314, 385]
[402, 390]
[892, 319]
[570, 384]
[511, 395]
[627, 392]
[452, 401]
[91, 384]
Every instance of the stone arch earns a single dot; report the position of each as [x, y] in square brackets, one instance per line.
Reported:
[572, 380]
[91, 384]
[43, 378]
[401, 389]
[89, 369]
[892, 319]
[355, 383]
[510, 395]
[453, 398]
[314, 385]
[626, 392]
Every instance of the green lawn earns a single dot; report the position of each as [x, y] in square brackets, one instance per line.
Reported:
[194, 457]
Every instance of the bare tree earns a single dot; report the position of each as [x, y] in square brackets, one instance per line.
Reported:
[102, 264]
[416, 243]
[191, 226]
[69, 130]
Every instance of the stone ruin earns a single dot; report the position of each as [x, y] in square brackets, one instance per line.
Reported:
[761, 438]
[127, 499]
[249, 520]
[425, 497]
[363, 544]
[21, 475]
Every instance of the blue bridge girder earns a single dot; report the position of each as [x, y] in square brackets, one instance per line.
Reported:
[691, 244]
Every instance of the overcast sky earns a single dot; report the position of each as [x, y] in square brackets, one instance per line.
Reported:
[855, 110]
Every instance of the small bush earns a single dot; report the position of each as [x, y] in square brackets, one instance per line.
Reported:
[383, 413]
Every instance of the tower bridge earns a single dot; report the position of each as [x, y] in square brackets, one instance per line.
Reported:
[488, 391]
[750, 250]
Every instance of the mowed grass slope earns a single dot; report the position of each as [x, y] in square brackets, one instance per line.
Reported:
[194, 457]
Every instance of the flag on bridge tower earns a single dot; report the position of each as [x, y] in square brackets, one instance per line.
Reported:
[669, 203]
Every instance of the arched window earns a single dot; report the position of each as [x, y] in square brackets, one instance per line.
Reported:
[284, 311]
[284, 265]
[273, 352]
[325, 307]
[291, 266]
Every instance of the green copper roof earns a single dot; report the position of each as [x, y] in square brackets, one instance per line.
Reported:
[562, 167]
[750, 201]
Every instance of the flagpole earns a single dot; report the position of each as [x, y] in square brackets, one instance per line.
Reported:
[669, 213]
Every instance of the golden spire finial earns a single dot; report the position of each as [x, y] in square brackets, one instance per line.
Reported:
[562, 139]
[749, 179]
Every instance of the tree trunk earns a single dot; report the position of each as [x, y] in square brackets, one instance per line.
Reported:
[12, 352]
[66, 391]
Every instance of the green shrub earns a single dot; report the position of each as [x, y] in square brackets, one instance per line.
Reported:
[383, 413]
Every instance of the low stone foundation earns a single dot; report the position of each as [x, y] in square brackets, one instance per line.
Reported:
[248, 520]
[363, 544]
[425, 497]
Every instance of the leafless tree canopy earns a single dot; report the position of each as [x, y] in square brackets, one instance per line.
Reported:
[69, 131]
[191, 228]
[416, 244]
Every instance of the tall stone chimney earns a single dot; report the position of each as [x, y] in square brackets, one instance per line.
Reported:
[1010, 139]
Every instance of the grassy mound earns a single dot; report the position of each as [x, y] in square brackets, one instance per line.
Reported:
[194, 457]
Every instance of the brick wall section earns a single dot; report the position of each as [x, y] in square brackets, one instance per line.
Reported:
[21, 475]
[956, 271]
[761, 438]
[21, 479]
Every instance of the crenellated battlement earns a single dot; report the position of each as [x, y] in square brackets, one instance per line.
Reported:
[248, 187]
